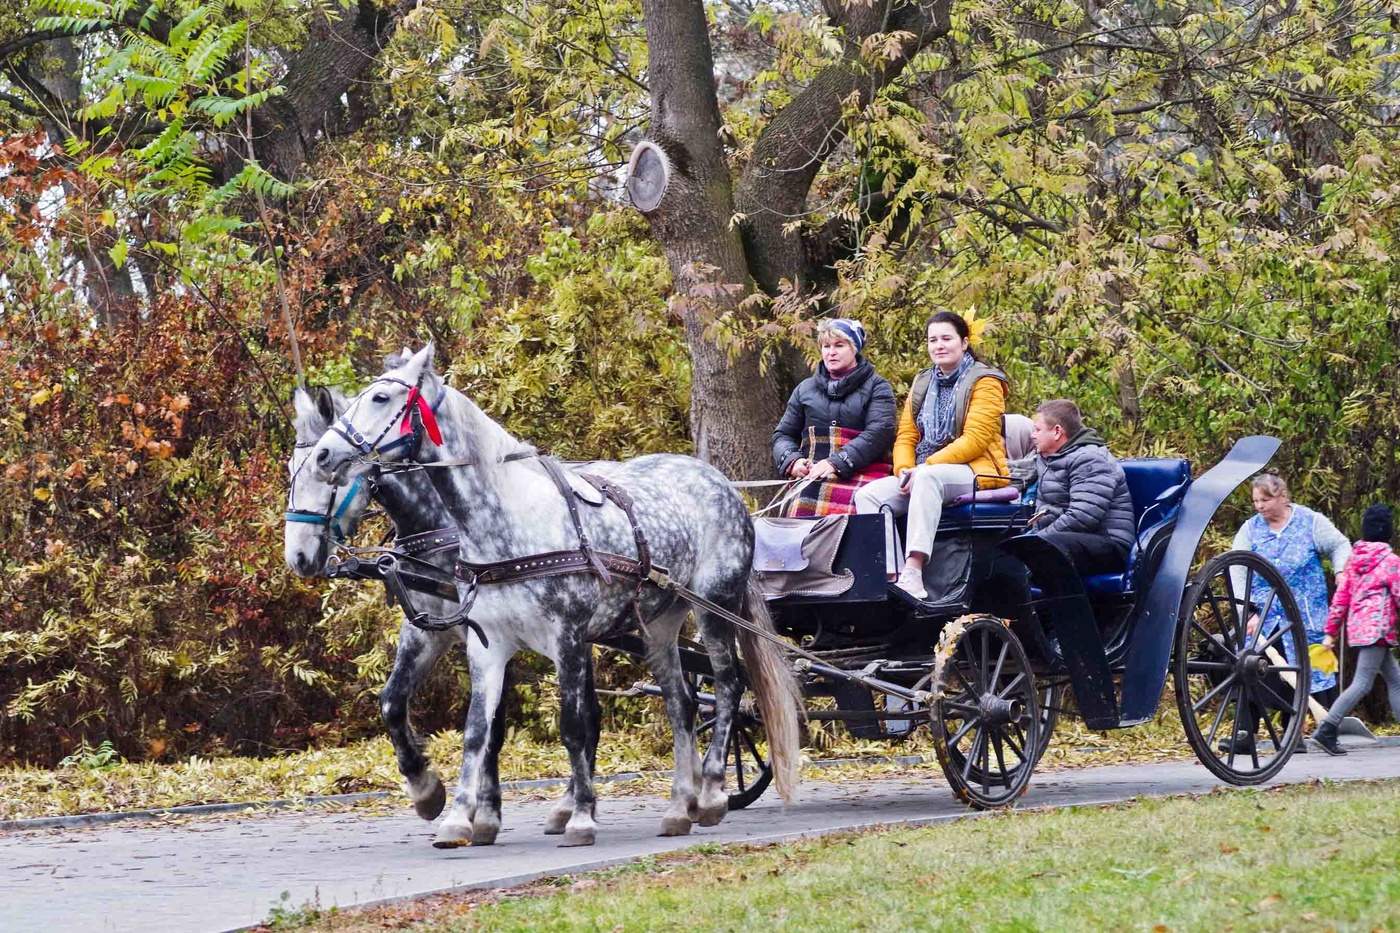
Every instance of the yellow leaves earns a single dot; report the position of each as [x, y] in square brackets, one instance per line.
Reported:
[384, 216]
[43, 493]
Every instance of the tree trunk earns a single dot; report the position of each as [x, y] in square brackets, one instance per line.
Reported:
[109, 290]
[734, 402]
[337, 56]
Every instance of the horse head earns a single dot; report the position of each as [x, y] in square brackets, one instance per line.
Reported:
[318, 513]
[390, 420]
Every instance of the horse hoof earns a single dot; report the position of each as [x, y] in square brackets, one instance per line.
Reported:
[577, 837]
[675, 826]
[430, 807]
[712, 816]
[453, 837]
[484, 834]
[450, 843]
[555, 823]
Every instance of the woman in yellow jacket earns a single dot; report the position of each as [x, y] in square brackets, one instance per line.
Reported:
[949, 442]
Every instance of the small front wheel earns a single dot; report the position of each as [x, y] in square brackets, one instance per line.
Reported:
[985, 713]
[749, 770]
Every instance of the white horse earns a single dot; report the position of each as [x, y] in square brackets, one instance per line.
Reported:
[320, 515]
[507, 507]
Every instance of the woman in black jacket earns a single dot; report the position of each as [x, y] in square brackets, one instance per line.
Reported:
[844, 393]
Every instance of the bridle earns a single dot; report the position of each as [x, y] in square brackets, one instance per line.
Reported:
[331, 520]
[418, 417]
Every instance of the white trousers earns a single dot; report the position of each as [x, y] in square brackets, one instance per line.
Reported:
[931, 486]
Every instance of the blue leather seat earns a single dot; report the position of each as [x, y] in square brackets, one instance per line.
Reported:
[982, 515]
[1156, 485]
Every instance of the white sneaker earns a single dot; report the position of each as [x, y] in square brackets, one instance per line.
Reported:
[911, 581]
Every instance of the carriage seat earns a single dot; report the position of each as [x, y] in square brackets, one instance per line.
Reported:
[1156, 485]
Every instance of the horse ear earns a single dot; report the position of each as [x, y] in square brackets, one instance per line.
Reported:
[420, 364]
[303, 403]
[325, 403]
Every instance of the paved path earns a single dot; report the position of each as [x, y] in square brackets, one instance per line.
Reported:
[224, 874]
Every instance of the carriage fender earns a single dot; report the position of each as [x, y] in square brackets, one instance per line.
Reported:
[1065, 606]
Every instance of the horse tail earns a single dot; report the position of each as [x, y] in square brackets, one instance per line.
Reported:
[775, 688]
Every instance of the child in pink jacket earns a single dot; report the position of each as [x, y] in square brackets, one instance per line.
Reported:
[1368, 599]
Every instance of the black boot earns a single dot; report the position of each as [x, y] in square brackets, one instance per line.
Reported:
[1325, 736]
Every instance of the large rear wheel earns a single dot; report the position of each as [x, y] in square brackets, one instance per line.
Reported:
[1242, 694]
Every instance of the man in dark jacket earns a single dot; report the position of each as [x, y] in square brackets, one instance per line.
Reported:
[1083, 504]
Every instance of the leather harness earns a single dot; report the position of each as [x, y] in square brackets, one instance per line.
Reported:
[584, 559]
[418, 417]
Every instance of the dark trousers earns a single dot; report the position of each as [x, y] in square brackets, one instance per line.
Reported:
[1090, 553]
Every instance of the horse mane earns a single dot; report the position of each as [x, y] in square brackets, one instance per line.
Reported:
[480, 437]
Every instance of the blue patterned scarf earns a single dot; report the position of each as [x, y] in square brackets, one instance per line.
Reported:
[936, 416]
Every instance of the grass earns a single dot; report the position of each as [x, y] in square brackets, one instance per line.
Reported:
[1312, 857]
[96, 782]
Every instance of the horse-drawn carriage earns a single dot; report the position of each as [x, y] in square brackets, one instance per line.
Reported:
[1011, 633]
[497, 539]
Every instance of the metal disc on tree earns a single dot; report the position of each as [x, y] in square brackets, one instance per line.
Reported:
[648, 174]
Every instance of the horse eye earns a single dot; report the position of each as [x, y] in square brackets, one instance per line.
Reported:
[381, 397]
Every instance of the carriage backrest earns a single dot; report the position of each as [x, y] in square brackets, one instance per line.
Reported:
[1156, 485]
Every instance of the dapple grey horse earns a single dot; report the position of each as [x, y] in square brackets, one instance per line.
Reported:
[320, 515]
[507, 507]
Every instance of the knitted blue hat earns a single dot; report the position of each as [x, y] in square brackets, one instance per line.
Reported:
[851, 330]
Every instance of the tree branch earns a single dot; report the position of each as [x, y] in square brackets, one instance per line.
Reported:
[793, 148]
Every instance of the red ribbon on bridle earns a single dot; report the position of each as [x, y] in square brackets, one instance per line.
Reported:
[425, 412]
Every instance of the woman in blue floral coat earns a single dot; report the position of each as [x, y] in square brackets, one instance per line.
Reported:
[1294, 539]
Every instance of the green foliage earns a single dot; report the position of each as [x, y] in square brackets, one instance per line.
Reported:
[87, 758]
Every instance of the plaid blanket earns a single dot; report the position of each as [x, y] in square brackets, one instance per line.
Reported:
[833, 496]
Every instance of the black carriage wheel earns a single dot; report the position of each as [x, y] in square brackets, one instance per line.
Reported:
[748, 770]
[985, 715]
[1052, 701]
[1242, 697]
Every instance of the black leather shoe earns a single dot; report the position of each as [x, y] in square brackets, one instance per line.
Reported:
[1243, 744]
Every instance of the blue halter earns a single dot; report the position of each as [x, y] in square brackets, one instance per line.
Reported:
[330, 519]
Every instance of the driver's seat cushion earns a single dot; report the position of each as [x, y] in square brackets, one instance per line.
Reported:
[1157, 485]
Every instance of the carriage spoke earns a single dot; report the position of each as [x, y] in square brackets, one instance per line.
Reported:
[1263, 617]
[1215, 605]
[1015, 682]
[1223, 642]
[1234, 733]
[1228, 681]
[966, 709]
[1273, 733]
[967, 685]
[973, 752]
[967, 726]
[1273, 639]
[1283, 704]
[1201, 667]
[1018, 747]
[1243, 613]
[1215, 726]
[1001, 760]
[986, 765]
[1001, 659]
[982, 668]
